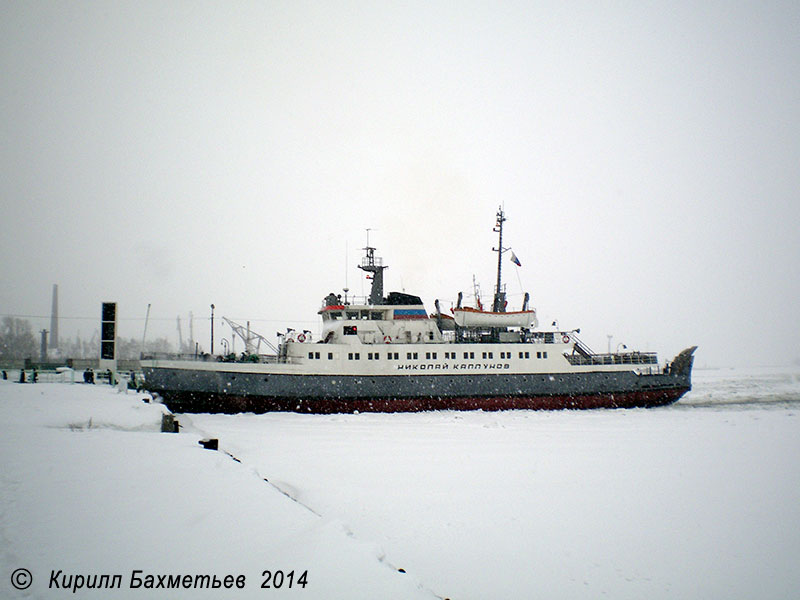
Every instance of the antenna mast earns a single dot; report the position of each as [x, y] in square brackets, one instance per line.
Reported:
[499, 294]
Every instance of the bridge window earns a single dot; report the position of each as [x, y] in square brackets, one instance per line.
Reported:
[350, 330]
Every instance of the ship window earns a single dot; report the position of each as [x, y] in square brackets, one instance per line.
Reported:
[544, 354]
[466, 354]
[310, 355]
[335, 316]
[369, 356]
[350, 330]
[358, 356]
[538, 355]
[352, 314]
[349, 356]
[330, 355]
[396, 355]
[376, 316]
[430, 355]
[527, 355]
[433, 354]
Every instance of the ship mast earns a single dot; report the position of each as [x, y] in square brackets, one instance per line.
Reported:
[499, 295]
[373, 264]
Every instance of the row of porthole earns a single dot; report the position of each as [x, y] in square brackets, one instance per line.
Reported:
[506, 379]
[469, 380]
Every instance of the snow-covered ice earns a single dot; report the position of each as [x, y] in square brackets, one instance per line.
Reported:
[697, 500]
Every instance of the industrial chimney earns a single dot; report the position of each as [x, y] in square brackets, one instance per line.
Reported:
[54, 319]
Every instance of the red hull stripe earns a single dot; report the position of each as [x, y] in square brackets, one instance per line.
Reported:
[192, 402]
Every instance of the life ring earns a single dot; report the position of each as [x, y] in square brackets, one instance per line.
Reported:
[387, 339]
[565, 339]
[301, 338]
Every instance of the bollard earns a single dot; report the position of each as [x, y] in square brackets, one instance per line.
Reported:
[168, 424]
[210, 444]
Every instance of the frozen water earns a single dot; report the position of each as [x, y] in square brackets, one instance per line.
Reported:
[697, 500]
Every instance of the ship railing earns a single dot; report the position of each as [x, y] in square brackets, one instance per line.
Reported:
[468, 335]
[350, 301]
[204, 357]
[369, 260]
[625, 358]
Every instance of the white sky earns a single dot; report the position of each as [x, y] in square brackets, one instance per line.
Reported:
[647, 154]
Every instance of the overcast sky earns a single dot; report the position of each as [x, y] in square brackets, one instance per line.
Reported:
[186, 153]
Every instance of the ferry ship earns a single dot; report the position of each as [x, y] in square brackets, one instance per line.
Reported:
[387, 354]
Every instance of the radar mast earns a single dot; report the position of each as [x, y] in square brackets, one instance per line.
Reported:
[372, 264]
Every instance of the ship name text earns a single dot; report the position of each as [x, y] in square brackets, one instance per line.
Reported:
[454, 367]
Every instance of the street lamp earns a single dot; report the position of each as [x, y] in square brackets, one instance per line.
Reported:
[212, 330]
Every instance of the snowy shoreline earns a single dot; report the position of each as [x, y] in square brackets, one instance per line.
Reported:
[701, 499]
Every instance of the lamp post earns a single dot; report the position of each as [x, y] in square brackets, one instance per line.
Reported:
[212, 330]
